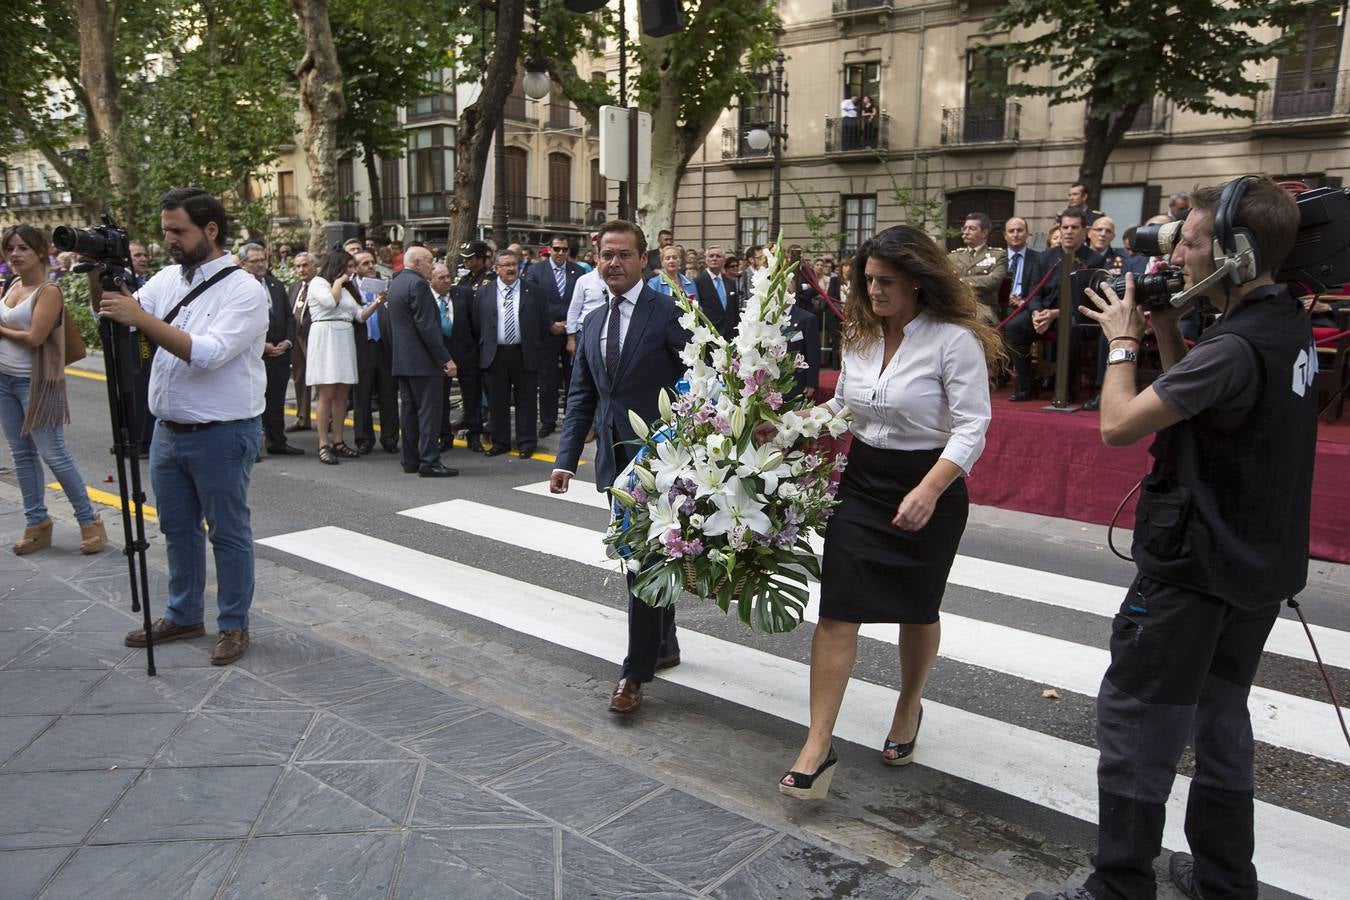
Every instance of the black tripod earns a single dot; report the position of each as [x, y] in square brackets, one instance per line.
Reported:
[121, 356]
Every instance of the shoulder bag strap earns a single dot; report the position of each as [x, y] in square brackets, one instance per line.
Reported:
[199, 290]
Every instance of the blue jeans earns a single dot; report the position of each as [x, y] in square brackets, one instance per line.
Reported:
[204, 475]
[47, 443]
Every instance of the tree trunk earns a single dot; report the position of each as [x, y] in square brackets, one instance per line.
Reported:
[478, 121]
[321, 105]
[376, 192]
[674, 143]
[98, 79]
[1101, 136]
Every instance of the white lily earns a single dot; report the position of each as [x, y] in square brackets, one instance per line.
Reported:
[766, 461]
[736, 507]
[708, 479]
[672, 462]
[664, 518]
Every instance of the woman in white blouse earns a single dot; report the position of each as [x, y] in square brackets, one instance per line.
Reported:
[330, 354]
[915, 373]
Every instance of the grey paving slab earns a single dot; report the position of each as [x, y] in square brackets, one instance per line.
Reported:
[444, 799]
[12, 643]
[24, 872]
[479, 863]
[274, 649]
[178, 804]
[405, 711]
[794, 870]
[97, 742]
[484, 746]
[685, 838]
[190, 654]
[590, 871]
[178, 870]
[334, 740]
[332, 867]
[172, 690]
[17, 731]
[37, 612]
[336, 680]
[236, 738]
[40, 587]
[101, 617]
[44, 809]
[238, 690]
[37, 692]
[340, 797]
[86, 650]
[575, 787]
[115, 588]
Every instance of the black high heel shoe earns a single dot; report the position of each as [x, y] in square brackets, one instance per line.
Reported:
[814, 786]
[904, 753]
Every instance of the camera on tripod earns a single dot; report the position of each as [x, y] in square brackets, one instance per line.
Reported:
[109, 245]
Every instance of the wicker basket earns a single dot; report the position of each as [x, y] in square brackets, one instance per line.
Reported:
[691, 583]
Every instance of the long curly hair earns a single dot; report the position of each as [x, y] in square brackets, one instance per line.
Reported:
[941, 291]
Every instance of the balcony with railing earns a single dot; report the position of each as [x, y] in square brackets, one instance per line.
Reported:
[391, 208]
[515, 107]
[36, 199]
[736, 146]
[524, 209]
[1314, 98]
[981, 126]
[855, 134]
[347, 209]
[561, 115]
[286, 206]
[852, 9]
[429, 205]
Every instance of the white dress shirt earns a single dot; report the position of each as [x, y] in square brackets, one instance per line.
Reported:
[501, 310]
[933, 393]
[625, 318]
[587, 296]
[228, 323]
[848, 109]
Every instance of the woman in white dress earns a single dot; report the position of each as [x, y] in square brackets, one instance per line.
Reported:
[331, 353]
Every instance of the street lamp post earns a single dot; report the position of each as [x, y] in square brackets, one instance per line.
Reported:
[774, 136]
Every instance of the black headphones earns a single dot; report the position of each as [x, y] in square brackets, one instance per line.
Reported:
[1235, 248]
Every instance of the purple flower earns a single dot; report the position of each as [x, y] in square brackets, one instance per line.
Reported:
[639, 494]
[694, 547]
[721, 425]
[774, 400]
[688, 507]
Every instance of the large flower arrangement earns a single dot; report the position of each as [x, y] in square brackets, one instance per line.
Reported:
[716, 502]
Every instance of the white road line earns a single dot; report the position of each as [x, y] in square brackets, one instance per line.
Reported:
[1295, 852]
[1064, 591]
[1284, 720]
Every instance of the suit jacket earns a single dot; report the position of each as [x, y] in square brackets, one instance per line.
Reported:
[1135, 262]
[724, 320]
[532, 311]
[808, 345]
[461, 343]
[983, 268]
[414, 327]
[542, 278]
[650, 362]
[1033, 267]
[280, 318]
[302, 321]
[1048, 295]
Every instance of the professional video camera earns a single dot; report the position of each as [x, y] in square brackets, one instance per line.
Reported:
[1152, 291]
[109, 245]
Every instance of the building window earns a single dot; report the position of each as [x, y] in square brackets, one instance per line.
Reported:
[560, 187]
[346, 187]
[863, 80]
[599, 195]
[288, 202]
[995, 203]
[984, 117]
[752, 223]
[1306, 84]
[431, 167]
[439, 102]
[860, 222]
[391, 189]
[517, 159]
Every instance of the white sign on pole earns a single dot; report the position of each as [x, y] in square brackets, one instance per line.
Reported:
[614, 144]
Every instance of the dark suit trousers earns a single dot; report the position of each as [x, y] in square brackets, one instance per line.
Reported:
[508, 382]
[274, 411]
[420, 418]
[298, 374]
[374, 382]
[651, 631]
[557, 370]
[1019, 334]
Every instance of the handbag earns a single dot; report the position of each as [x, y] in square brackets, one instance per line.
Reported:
[75, 346]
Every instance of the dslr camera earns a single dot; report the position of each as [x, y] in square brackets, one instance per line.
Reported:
[109, 245]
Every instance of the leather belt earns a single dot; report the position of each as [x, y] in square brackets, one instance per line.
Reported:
[189, 427]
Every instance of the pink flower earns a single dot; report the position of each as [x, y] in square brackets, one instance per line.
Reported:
[774, 400]
[721, 425]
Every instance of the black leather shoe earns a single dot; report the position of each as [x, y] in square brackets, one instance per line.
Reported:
[286, 450]
[525, 452]
[1022, 396]
[437, 471]
[410, 470]
[475, 445]
[363, 448]
[1094, 404]
[390, 446]
[547, 428]
[496, 450]
[1181, 869]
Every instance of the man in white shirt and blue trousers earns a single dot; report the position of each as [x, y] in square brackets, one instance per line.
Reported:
[207, 385]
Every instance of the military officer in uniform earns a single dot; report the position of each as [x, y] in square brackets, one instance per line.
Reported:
[981, 266]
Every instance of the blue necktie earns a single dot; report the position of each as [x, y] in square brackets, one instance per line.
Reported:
[447, 316]
[560, 276]
[509, 312]
[1017, 273]
[721, 289]
[373, 323]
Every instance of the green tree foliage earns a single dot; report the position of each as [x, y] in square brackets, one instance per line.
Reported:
[1116, 58]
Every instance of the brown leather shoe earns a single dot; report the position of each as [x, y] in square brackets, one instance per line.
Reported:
[164, 630]
[668, 662]
[229, 646]
[627, 697]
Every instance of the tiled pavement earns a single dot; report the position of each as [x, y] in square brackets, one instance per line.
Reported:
[310, 770]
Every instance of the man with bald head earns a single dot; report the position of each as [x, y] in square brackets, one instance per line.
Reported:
[420, 364]
[1024, 264]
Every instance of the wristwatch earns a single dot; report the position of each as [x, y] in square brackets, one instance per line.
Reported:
[1120, 355]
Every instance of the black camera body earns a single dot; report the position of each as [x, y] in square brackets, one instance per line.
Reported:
[1153, 291]
[1320, 259]
[109, 245]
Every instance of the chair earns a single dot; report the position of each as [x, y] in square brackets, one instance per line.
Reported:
[1333, 364]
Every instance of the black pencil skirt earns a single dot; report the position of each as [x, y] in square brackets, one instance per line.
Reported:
[873, 571]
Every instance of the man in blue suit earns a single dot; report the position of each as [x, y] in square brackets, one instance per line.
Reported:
[629, 352]
[554, 280]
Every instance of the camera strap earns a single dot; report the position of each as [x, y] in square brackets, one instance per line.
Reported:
[199, 290]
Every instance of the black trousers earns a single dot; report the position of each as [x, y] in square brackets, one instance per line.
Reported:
[651, 631]
[1182, 665]
[556, 372]
[374, 382]
[1019, 334]
[508, 382]
[420, 418]
[274, 398]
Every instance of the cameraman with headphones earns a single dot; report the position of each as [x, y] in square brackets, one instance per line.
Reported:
[1221, 538]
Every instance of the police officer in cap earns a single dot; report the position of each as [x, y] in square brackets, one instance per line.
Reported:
[1220, 539]
[474, 256]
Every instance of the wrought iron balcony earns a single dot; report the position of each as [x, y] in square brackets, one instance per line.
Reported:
[855, 134]
[391, 208]
[995, 123]
[849, 8]
[35, 199]
[736, 146]
[561, 115]
[347, 209]
[1313, 95]
[428, 205]
[523, 209]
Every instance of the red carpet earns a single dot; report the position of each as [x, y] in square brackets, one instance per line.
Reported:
[1055, 464]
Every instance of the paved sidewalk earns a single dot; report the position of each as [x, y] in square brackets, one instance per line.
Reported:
[310, 770]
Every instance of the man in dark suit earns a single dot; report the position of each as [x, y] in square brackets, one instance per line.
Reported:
[1024, 264]
[305, 269]
[717, 294]
[463, 345]
[421, 363]
[510, 321]
[276, 351]
[808, 345]
[374, 368]
[554, 280]
[629, 351]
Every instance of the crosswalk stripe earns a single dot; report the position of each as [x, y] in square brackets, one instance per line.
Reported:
[1284, 720]
[1064, 591]
[1295, 852]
